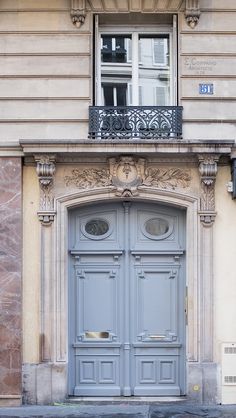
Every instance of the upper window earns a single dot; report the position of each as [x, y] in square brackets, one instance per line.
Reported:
[136, 66]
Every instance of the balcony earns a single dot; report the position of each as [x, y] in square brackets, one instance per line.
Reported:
[135, 123]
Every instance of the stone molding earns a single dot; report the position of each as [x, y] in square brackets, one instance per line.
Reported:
[208, 171]
[46, 170]
[126, 174]
[127, 6]
[78, 12]
[192, 13]
[79, 8]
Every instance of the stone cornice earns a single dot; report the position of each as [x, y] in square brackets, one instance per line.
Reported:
[77, 147]
[79, 9]
[74, 147]
[99, 6]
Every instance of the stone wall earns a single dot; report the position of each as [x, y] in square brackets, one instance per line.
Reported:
[10, 280]
[47, 73]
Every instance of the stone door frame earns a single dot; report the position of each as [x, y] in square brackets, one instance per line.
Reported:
[59, 240]
[199, 282]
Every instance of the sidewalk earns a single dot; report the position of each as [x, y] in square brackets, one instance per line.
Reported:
[121, 410]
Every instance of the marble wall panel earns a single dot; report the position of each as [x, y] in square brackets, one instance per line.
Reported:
[10, 276]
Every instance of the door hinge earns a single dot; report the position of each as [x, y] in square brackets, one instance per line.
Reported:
[186, 305]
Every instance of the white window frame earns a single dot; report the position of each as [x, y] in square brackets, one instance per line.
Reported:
[135, 32]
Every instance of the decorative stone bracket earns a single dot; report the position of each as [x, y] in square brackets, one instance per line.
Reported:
[45, 170]
[208, 171]
[192, 13]
[78, 12]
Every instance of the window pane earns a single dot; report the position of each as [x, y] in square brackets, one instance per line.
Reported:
[115, 94]
[96, 227]
[116, 69]
[154, 71]
[121, 94]
[115, 48]
[108, 95]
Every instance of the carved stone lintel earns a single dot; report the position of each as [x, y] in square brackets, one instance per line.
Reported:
[127, 174]
[192, 13]
[46, 169]
[208, 171]
[78, 12]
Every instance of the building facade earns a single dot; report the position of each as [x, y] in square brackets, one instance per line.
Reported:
[117, 133]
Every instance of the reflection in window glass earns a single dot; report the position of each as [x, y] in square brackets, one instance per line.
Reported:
[96, 227]
[115, 48]
[116, 69]
[157, 226]
[115, 94]
[154, 70]
[139, 80]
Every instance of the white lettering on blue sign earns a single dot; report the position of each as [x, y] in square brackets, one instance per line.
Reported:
[206, 89]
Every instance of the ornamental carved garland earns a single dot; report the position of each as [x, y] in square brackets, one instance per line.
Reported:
[127, 174]
[89, 178]
[166, 178]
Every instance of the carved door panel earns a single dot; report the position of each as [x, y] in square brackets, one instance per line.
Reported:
[126, 300]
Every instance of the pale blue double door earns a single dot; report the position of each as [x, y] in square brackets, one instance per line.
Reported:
[126, 300]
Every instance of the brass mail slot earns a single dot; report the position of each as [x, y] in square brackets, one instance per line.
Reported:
[157, 337]
[96, 334]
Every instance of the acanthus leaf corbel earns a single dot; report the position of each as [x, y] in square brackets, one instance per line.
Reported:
[208, 171]
[45, 169]
[192, 13]
[78, 12]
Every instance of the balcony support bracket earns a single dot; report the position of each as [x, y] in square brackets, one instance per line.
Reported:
[78, 12]
[192, 13]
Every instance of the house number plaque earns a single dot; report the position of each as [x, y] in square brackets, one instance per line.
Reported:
[206, 88]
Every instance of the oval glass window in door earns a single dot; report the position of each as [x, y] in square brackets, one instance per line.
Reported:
[96, 228]
[157, 228]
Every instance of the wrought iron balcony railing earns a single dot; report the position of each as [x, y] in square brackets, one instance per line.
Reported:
[135, 122]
